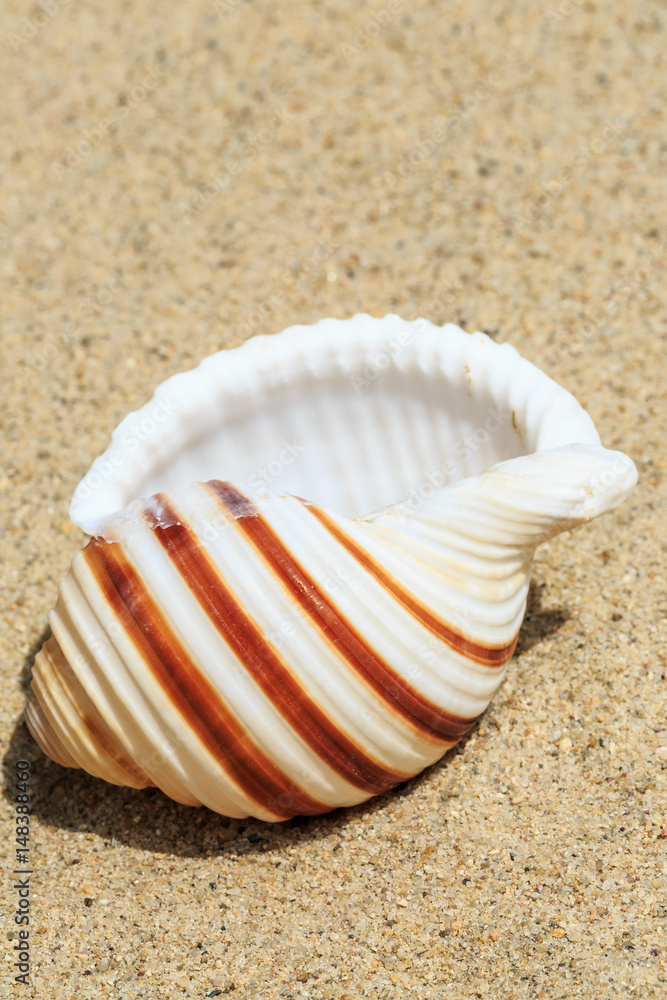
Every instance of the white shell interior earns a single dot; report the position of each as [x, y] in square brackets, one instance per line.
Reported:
[354, 415]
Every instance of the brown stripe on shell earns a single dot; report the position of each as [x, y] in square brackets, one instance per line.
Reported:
[262, 661]
[487, 655]
[195, 699]
[429, 719]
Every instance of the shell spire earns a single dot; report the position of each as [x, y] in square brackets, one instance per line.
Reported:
[263, 654]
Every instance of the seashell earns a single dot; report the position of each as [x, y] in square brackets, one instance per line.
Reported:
[309, 563]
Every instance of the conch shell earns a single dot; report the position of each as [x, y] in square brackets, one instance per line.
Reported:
[324, 586]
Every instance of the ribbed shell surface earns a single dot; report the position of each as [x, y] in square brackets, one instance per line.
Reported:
[260, 658]
[263, 655]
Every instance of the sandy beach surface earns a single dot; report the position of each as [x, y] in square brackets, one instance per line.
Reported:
[176, 178]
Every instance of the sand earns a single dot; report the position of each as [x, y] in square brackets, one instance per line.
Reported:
[178, 177]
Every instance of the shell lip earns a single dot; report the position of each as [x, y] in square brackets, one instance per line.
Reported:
[151, 435]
